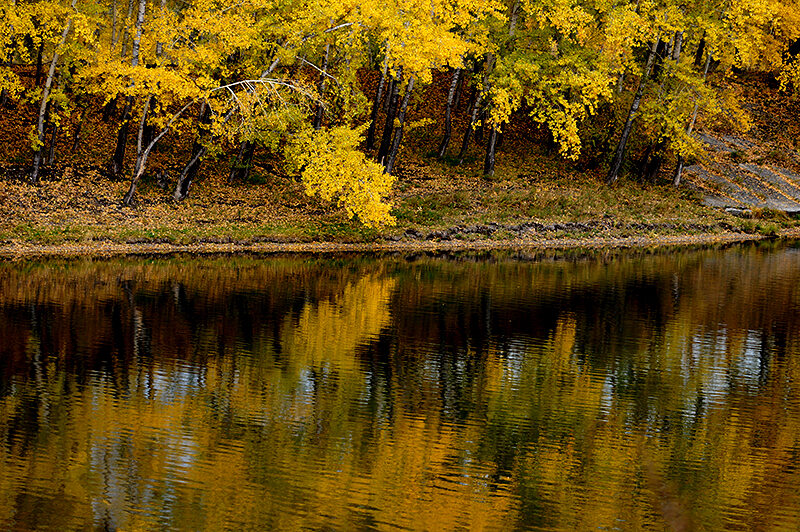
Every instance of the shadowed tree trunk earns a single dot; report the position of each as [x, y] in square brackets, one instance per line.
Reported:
[448, 123]
[491, 145]
[125, 35]
[698, 55]
[373, 118]
[76, 138]
[148, 129]
[476, 105]
[654, 156]
[616, 164]
[387, 102]
[122, 138]
[51, 151]
[321, 87]
[398, 134]
[109, 109]
[189, 171]
[388, 127]
[244, 161]
[38, 77]
[488, 64]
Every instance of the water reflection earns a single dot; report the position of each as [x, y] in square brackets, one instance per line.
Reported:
[617, 390]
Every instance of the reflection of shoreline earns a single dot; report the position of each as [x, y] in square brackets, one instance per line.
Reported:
[626, 389]
[109, 249]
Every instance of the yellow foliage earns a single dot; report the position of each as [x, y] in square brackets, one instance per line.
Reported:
[334, 169]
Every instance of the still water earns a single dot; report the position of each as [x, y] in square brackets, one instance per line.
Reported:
[601, 390]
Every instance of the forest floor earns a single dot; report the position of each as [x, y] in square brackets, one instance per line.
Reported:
[535, 199]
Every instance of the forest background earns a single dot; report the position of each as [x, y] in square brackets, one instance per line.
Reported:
[383, 112]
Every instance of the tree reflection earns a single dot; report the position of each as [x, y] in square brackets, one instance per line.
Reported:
[641, 390]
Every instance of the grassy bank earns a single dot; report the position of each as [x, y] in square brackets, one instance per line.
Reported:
[433, 202]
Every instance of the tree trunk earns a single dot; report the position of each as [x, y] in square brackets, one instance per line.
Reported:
[122, 138]
[448, 123]
[373, 118]
[387, 102]
[51, 152]
[512, 18]
[37, 157]
[488, 66]
[141, 141]
[698, 55]
[189, 171]
[676, 178]
[468, 133]
[141, 162]
[114, 32]
[616, 164]
[149, 130]
[125, 31]
[676, 50]
[76, 138]
[38, 77]
[388, 127]
[137, 40]
[459, 89]
[488, 164]
[159, 44]
[398, 134]
[122, 134]
[109, 109]
[320, 88]
[658, 62]
[244, 161]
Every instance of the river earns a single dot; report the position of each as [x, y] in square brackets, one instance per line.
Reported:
[558, 390]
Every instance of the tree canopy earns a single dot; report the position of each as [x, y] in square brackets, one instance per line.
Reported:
[289, 76]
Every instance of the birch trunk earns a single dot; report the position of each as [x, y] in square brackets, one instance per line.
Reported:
[488, 163]
[398, 134]
[122, 135]
[48, 84]
[616, 164]
[138, 170]
[676, 178]
[448, 123]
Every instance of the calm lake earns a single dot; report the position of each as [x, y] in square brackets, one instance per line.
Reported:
[610, 390]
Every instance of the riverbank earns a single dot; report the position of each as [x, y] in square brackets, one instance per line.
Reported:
[26, 250]
[536, 198]
[79, 212]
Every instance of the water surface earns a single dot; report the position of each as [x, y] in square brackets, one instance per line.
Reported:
[554, 391]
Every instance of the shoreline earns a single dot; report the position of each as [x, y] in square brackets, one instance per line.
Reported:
[100, 249]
